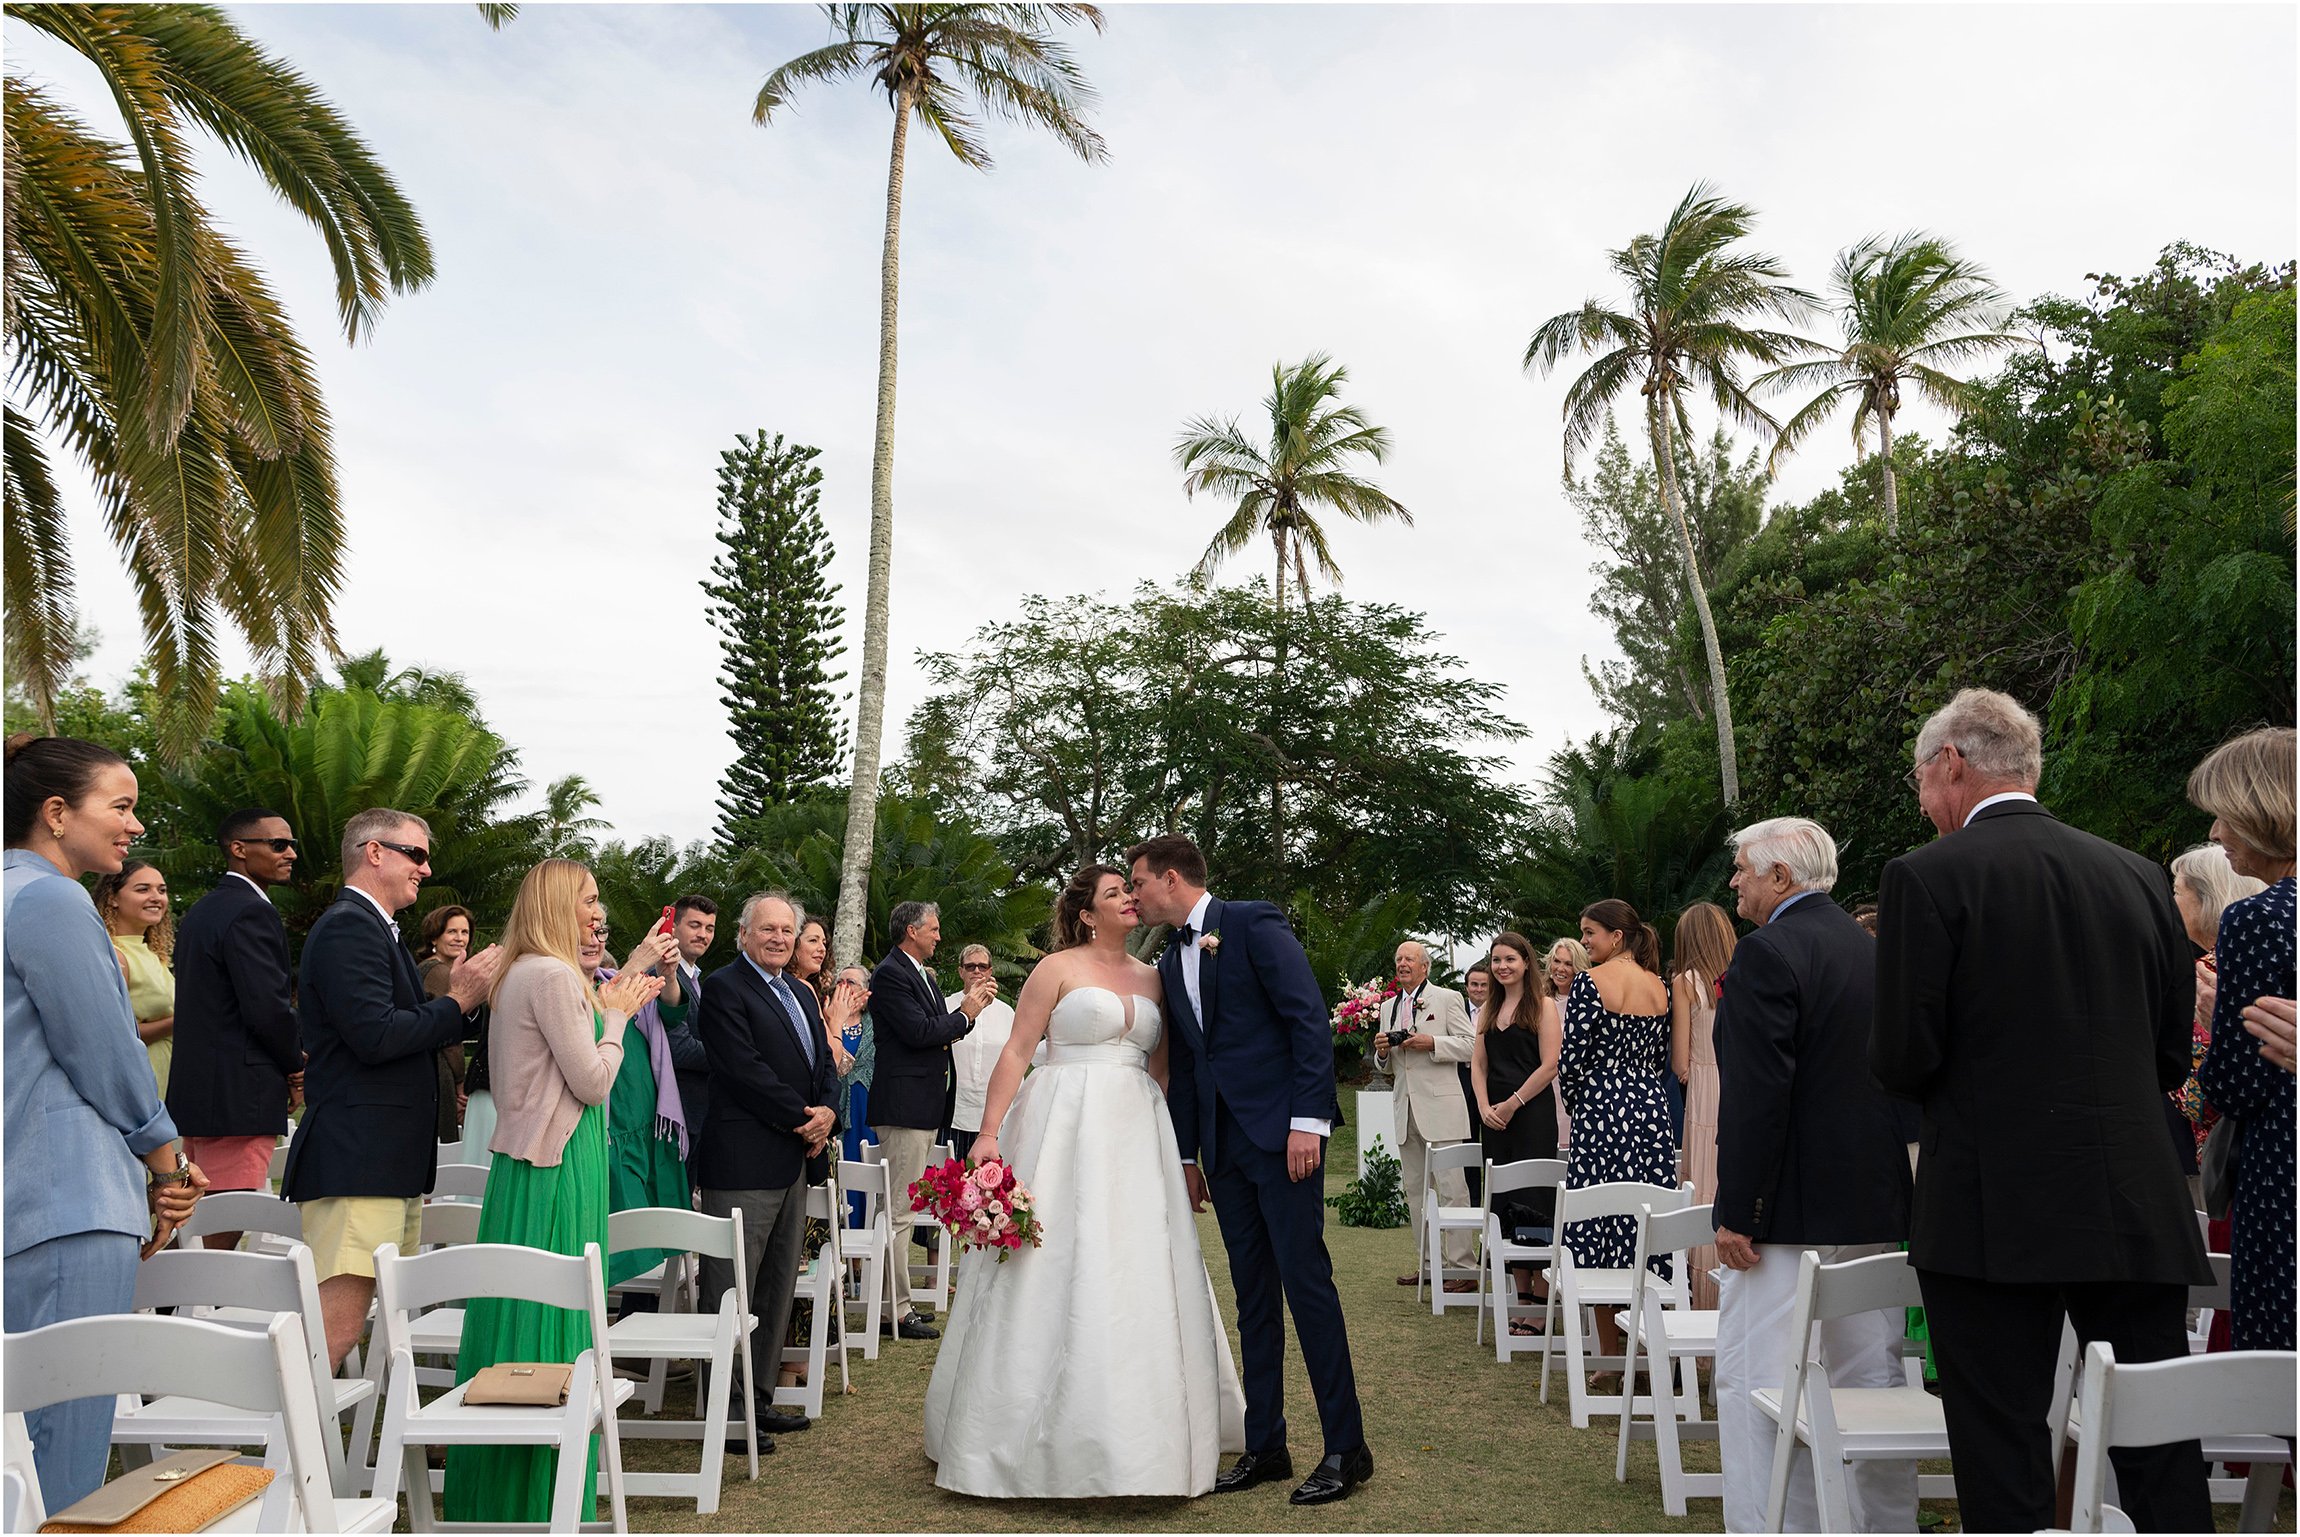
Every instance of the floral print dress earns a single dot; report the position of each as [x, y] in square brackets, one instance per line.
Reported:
[2255, 953]
[1610, 1068]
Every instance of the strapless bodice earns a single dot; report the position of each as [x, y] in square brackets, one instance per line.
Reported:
[1091, 1025]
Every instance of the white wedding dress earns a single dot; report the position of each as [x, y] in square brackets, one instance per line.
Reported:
[1096, 1363]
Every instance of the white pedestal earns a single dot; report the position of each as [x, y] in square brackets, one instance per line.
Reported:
[1376, 1123]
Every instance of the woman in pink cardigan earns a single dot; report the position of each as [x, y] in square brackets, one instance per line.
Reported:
[555, 1043]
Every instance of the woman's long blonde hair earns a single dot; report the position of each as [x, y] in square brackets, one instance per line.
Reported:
[547, 919]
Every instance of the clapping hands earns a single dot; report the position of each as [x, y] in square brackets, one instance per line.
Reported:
[630, 992]
[471, 978]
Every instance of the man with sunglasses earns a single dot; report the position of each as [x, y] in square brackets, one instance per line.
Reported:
[973, 1057]
[366, 1154]
[235, 1028]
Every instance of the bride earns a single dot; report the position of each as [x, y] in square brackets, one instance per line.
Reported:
[1094, 1365]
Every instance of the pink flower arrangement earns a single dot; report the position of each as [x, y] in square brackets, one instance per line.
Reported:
[982, 1203]
[1359, 1014]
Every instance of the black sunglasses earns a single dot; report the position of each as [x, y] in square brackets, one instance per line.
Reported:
[276, 845]
[421, 856]
[974, 965]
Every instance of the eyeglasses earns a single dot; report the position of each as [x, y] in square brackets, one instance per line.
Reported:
[974, 965]
[276, 845]
[1910, 778]
[421, 856]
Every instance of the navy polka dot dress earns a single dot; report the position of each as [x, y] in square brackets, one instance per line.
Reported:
[2255, 957]
[1609, 1067]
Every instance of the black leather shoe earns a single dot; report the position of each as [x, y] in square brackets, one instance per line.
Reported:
[736, 1448]
[782, 1422]
[1335, 1477]
[1255, 1468]
[912, 1327]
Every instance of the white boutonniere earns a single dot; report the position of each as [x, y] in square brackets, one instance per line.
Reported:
[1211, 941]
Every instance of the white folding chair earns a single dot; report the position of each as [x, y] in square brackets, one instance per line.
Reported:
[929, 1279]
[1845, 1425]
[241, 1291]
[1579, 1291]
[1495, 1287]
[272, 1225]
[819, 1286]
[867, 1249]
[266, 1376]
[20, 1507]
[405, 1286]
[436, 1337]
[719, 1337]
[1671, 1342]
[1437, 1221]
[2235, 1397]
[458, 1182]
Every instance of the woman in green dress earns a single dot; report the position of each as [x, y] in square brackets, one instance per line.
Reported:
[555, 1046]
[647, 1131]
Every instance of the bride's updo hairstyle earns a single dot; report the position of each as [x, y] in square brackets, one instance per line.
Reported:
[1070, 908]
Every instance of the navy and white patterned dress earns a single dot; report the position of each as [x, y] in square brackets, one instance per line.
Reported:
[2255, 956]
[1609, 1068]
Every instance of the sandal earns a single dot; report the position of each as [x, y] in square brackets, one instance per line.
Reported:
[1525, 1326]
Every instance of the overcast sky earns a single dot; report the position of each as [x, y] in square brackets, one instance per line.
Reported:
[630, 273]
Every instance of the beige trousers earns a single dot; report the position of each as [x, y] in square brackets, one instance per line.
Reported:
[905, 1149]
[1459, 1246]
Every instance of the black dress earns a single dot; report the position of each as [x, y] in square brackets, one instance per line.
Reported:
[1512, 1055]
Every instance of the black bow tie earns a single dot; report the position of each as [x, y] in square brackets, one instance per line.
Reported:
[1185, 936]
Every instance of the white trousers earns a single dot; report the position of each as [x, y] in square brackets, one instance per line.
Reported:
[1453, 1190]
[1862, 1351]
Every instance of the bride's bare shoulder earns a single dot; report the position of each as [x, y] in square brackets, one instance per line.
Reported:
[1145, 978]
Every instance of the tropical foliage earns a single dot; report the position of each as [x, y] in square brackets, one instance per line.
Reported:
[149, 346]
[947, 66]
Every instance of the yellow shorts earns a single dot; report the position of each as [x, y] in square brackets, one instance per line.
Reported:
[344, 1231]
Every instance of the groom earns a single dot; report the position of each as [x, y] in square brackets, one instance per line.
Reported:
[1252, 1096]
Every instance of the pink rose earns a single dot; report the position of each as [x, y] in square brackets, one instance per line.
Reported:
[988, 1175]
[970, 1198]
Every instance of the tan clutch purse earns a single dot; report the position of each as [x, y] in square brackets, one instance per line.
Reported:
[188, 1492]
[520, 1384]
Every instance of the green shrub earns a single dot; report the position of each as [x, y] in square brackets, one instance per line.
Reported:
[1375, 1198]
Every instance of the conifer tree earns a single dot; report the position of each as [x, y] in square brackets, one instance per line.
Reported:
[778, 620]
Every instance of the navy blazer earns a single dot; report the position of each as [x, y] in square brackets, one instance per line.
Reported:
[1809, 1149]
[911, 1085]
[235, 1025]
[371, 1090]
[761, 1082]
[1266, 1044]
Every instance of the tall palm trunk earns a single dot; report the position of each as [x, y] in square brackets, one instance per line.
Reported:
[1277, 705]
[870, 691]
[1664, 439]
[1892, 482]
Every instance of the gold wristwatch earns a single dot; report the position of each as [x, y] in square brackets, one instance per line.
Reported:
[182, 1174]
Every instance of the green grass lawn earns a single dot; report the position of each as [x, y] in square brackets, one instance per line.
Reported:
[1461, 1443]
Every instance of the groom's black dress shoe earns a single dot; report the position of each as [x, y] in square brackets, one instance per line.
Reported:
[1335, 1477]
[1255, 1468]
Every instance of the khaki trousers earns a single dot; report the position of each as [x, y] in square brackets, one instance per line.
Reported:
[1459, 1246]
[905, 1150]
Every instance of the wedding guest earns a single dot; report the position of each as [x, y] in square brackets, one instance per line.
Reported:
[771, 1120]
[446, 940]
[974, 1055]
[1476, 988]
[694, 925]
[364, 1156]
[133, 902]
[1425, 1029]
[1567, 959]
[2247, 787]
[2024, 966]
[239, 1060]
[1703, 946]
[1865, 914]
[855, 1040]
[559, 1042]
[1513, 1073]
[810, 963]
[1808, 1157]
[647, 1134]
[911, 1082]
[81, 1112]
[2203, 884]
[1612, 1056]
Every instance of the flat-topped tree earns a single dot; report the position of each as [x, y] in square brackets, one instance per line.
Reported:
[945, 65]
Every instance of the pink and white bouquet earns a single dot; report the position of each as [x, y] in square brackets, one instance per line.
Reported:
[1359, 1014]
[982, 1203]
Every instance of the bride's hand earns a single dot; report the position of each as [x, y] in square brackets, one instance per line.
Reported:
[985, 1148]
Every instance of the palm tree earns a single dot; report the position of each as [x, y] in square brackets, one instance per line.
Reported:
[153, 348]
[943, 64]
[1687, 323]
[1907, 307]
[1279, 490]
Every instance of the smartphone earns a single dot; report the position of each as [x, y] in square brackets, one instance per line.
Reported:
[669, 913]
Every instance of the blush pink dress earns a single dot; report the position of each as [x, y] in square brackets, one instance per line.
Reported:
[1699, 1160]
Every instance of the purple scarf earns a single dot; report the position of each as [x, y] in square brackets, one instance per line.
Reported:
[670, 1114]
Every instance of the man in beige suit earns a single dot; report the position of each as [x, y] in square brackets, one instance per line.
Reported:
[1426, 1033]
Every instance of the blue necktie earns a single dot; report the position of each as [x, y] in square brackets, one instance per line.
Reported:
[782, 992]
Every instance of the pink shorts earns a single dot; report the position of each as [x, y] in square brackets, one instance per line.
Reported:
[233, 1163]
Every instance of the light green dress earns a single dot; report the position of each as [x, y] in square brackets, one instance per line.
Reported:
[152, 994]
[561, 1209]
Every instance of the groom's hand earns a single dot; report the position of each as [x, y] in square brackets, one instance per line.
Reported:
[1195, 1183]
[1305, 1150]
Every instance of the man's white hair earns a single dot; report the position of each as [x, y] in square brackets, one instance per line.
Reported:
[971, 951]
[751, 905]
[1995, 733]
[1799, 843]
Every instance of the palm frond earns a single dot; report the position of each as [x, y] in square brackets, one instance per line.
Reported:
[834, 61]
[37, 578]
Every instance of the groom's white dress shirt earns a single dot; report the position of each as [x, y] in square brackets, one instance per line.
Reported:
[1197, 923]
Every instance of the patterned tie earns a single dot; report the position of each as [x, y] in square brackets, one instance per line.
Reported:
[798, 1017]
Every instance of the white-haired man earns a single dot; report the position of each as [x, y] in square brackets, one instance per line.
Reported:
[1425, 1035]
[1809, 1156]
[2034, 990]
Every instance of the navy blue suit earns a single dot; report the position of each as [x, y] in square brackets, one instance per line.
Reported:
[1263, 1056]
